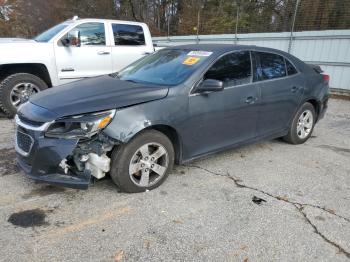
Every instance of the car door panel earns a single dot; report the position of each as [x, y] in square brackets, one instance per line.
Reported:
[279, 102]
[280, 95]
[227, 117]
[222, 119]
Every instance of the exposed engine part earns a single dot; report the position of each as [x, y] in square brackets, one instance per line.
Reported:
[98, 165]
[64, 166]
[98, 145]
[91, 155]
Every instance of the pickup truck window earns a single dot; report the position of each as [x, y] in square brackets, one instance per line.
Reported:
[168, 67]
[128, 34]
[49, 34]
[91, 33]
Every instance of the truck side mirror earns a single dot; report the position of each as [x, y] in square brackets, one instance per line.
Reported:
[72, 39]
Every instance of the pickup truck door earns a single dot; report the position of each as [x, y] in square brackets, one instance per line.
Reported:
[130, 42]
[88, 56]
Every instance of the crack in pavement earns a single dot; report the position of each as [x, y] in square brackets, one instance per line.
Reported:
[299, 206]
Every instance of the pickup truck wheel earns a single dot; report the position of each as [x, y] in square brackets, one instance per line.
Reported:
[302, 125]
[143, 163]
[16, 90]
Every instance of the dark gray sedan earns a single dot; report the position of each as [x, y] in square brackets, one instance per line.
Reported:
[173, 106]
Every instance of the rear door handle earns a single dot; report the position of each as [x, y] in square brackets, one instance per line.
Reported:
[250, 100]
[103, 53]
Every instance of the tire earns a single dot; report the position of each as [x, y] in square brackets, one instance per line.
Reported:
[295, 134]
[126, 157]
[19, 80]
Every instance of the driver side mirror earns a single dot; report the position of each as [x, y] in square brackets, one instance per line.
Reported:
[210, 85]
[72, 39]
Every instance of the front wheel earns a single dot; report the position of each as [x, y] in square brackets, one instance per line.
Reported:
[143, 163]
[16, 90]
[302, 125]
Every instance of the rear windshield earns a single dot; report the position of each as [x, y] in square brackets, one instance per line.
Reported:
[49, 34]
[166, 67]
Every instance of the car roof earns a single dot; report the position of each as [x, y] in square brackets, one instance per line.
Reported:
[224, 48]
[213, 47]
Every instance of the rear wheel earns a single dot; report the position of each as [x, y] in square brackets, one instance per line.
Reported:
[16, 90]
[302, 125]
[144, 163]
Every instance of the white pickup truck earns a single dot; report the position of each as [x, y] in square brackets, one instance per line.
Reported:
[69, 51]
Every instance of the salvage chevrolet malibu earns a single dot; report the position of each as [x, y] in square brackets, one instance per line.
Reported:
[173, 106]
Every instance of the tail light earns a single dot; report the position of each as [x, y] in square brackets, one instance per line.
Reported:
[326, 78]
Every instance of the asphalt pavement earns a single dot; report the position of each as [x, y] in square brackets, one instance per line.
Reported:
[265, 202]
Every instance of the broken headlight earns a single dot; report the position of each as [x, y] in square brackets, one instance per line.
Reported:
[80, 126]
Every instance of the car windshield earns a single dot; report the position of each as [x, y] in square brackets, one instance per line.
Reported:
[49, 34]
[166, 67]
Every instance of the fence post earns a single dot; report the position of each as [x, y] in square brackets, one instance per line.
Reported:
[292, 27]
[236, 29]
[198, 21]
[168, 27]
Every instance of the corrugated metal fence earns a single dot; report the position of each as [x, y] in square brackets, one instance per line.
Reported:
[329, 49]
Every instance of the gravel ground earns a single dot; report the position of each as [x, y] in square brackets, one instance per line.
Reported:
[265, 202]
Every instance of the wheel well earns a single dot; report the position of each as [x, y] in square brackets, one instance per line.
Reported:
[172, 134]
[38, 70]
[316, 106]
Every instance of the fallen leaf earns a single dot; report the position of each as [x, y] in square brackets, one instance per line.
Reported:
[119, 256]
[176, 221]
[332, 211]
[147, 244]
[284, 198]
[244, 247]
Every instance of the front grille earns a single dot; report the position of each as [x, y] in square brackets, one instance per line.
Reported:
[24, 142]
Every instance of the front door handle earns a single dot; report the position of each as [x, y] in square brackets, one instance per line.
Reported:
[103, 53]
[250, 100]
[294, 89]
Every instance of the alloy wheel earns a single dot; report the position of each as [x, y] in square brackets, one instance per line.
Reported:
[305, 124]
[21, 92]
[148, 165]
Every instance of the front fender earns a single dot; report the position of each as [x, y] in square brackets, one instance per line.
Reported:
[131, 120]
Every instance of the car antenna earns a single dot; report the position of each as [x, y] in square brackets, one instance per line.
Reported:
[75, 18]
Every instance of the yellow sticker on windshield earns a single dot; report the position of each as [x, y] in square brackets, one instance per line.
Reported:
[191, 60]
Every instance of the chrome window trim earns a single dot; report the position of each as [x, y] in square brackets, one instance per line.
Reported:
[284, 58]
[41, 128]
[212, 63]
[253, 82]
[19, 150]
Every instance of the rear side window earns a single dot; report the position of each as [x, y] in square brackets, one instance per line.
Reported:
[128, 34]
[290, 68]
[233, 69]
[271, 66]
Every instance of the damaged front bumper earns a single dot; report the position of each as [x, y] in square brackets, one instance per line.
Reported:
[64, 162]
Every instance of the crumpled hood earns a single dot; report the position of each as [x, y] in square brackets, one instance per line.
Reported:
[95, 94]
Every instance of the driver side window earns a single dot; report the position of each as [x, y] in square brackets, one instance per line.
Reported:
[87, 34]
[232, 69]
